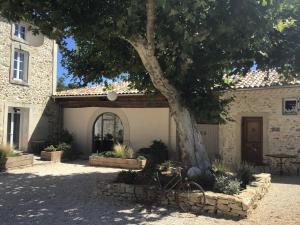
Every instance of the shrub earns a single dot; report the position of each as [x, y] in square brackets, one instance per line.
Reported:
[66, 137]
[127, 177]
[68, 152]
[206, 180]
[245, 172]
[109, 154]
[227, 185]
[7, 151]
[221, 168]
[120, 151]
[50, 148]
[140, 157]
[129, 152]
[156, 154]
[167, 165]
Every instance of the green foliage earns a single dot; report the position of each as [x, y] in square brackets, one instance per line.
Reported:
[127, 177]
[140, 157]
[68, 151]
[123, 151]
[66, 137]
[220, 168]
[196, 41]
[7, 151]
[244, 172]
[167, 165]
[156, 154]
[226, 185]
[50, 148]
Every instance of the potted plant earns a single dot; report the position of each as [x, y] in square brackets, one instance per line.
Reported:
[51, 153]
[121, 157]
[10, 159]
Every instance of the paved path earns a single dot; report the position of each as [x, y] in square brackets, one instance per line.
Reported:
[65, 194]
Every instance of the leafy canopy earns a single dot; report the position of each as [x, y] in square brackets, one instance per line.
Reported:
[196, 41]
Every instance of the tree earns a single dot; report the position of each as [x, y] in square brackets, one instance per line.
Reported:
[184, 48]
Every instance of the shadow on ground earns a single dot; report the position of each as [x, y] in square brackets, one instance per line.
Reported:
[69, 199]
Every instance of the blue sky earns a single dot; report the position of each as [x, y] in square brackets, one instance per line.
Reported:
[60, 70]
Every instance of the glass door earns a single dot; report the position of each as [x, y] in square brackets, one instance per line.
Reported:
[13, 128]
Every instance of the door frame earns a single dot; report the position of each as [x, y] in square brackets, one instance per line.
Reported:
[243, 138]
[13, 111]
[237, 142]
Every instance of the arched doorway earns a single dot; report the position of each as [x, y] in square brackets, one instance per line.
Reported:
[108, 130]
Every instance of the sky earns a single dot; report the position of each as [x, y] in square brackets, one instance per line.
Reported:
[60, 69]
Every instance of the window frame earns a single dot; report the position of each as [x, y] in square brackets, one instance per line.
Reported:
[296, 111]
[26, 69]
[17, 31]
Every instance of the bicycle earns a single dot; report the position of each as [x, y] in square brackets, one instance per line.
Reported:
[179, 187]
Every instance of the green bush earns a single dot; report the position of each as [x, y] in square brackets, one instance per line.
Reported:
[50, 148]
[245, 173]
[7, 151]
[221, 168]
[123, 151]
[226, 185]
[156, 154]
[140, 157]
[127, 177]
[68, 152]
[66, 137]
[167, 165]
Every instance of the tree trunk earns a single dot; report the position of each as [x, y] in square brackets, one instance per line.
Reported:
[193, 153]
[190, 140]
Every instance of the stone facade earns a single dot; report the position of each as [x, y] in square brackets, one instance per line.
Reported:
[38, 112]
[240, 205]
[281, 133]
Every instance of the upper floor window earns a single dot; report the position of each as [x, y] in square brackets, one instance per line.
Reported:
[20, 31]
[20, 65]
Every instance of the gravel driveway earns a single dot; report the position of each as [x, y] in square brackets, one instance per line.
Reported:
[65, 194]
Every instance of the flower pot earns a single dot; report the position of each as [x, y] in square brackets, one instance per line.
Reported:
[51, 156]
[14, 162]
[116, 162]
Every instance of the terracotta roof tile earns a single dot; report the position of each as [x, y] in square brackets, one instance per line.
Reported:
[255, 79]
[121, 88]
[259, 79]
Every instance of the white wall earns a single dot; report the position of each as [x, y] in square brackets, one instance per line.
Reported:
[141, 126]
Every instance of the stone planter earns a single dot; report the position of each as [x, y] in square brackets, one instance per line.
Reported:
[116, 162]
[51, 156]
[16, 162]
[239, 206]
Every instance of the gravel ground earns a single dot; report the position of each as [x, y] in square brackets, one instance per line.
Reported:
[65, 194]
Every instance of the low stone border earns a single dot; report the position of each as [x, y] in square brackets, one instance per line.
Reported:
[10, 163]
[95, 160]
[240, 205]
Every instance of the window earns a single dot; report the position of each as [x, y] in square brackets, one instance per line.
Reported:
[20, 65]
[108, 130]
[290, 106]
[20, 31]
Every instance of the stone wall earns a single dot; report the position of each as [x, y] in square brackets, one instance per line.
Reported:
[281, 133]
[240, 205]
[34, 97]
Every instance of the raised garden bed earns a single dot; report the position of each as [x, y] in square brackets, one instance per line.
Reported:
[239, 205]
[54, 156]
[14, 162]
[95, 160]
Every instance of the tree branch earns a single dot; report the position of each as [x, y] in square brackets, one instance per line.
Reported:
[150, 24]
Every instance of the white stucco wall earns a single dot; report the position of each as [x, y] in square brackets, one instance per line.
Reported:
[141, 126]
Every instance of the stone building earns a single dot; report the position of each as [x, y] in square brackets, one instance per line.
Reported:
[266, 119]
[27, 82]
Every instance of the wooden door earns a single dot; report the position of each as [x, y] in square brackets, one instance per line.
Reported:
[252, 139]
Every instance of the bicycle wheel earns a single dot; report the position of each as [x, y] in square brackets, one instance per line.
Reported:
[190, 194]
